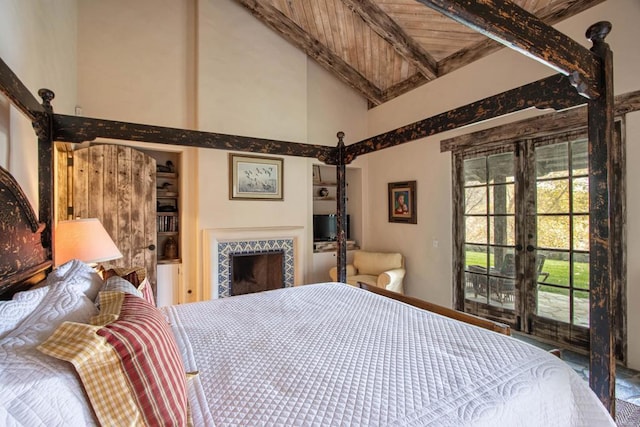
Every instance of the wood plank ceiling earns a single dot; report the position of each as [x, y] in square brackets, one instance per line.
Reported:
[384, 48]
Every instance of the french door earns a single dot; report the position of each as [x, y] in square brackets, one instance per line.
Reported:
[523, 235]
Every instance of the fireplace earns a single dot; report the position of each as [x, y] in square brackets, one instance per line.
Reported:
[221, 244]
[256, 272]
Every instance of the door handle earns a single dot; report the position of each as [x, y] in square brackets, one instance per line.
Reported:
[151, 247]
[518, 247]
[530, 248]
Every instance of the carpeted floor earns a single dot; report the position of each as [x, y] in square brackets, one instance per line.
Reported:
[627, 414]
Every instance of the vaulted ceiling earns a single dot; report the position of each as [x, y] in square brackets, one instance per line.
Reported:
[384, 48]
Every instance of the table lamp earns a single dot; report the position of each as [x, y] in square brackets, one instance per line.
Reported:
[84, 239]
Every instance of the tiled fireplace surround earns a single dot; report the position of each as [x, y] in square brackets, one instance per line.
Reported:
[220, 243]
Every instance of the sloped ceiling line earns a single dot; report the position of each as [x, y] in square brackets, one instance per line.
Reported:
[385, 48]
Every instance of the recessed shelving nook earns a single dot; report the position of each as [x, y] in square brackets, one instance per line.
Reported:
[167, 206]
[324, 193]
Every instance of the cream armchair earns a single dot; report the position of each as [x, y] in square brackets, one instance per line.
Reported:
[384, 270]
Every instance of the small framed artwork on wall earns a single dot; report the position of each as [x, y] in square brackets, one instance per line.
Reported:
[402, 202]
[255, 177]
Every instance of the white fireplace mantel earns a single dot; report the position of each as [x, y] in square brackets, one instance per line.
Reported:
[212, 237]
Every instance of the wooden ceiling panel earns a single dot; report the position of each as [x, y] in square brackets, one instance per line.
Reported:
[436, 33]
[383, 48]
[348, 36]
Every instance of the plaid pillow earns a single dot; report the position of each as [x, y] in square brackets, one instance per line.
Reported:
[128, 362]
[147, 292]
[117, 283]
[135, 275]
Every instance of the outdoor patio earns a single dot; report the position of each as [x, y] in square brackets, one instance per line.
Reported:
[550, 305]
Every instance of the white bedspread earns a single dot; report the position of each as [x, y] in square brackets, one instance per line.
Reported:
[331, 354]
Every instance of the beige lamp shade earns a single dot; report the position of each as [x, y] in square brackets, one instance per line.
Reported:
[84, 239]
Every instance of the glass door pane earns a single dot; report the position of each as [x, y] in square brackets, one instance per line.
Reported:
[562, 231]
[489, 229]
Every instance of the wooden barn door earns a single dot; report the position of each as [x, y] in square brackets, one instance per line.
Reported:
[117, 185]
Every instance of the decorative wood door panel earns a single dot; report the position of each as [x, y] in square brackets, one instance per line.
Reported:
[117, 185]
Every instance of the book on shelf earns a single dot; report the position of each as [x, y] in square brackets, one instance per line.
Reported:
[167, 223]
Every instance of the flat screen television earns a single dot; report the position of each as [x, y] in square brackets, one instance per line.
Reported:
[325, 228]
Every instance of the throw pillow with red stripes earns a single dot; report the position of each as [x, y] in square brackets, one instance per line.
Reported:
[128, 362]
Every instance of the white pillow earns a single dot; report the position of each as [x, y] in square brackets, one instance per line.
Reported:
[14, 311]
[38, 389]
[77, 274]
[59, 304]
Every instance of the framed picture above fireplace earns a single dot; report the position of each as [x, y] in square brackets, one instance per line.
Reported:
[255, 177]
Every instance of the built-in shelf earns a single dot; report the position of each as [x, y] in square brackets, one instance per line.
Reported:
[324, 196]
[173, 175]
[166, 194]
[168, 206]
[169, 261]
[333, 246]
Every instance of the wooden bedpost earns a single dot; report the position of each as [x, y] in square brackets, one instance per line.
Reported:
[341, 210]
[43, 127]
[602, 364]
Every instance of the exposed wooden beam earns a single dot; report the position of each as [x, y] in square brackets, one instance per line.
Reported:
[80, 129]
[288, 29]
[551, 14]
[553, 92]
[518, 29]
[573, 118]
[18, 94]
[390, 31]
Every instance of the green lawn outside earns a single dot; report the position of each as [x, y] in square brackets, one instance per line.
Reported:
[558, 273]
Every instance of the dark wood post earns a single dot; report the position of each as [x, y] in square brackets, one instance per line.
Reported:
[341, 210]
[43, 126]
[602, 365]
[457, 200]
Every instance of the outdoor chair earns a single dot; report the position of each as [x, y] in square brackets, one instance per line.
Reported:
[505, 286]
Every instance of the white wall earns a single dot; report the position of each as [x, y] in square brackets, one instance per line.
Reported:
[633, 237]
[136, 63]
[429, 273]
[38, 42]
[332, 107]
[210, 65]
[251, 82]
[133, 60]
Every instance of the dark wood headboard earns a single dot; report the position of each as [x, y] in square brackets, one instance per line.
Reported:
[23, 259]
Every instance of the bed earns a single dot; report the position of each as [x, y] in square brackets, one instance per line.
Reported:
[589, 72]
[319, 354]
[333, 354]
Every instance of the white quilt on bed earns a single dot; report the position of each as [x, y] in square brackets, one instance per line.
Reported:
[36, 389]
[331, 354]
